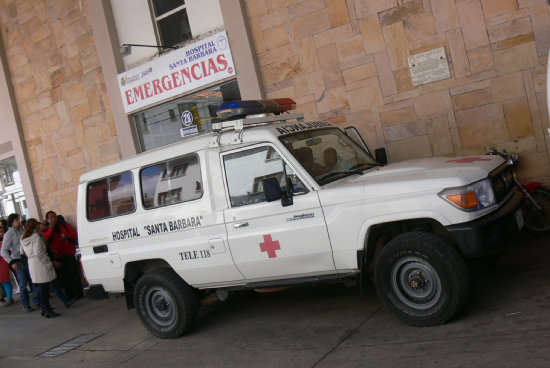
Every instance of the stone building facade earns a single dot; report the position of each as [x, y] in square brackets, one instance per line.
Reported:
[345, 61]
[62, 110]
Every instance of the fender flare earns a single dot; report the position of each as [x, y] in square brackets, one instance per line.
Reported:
[366, 227]
[364, 233]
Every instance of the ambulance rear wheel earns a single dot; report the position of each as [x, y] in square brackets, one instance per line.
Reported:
[421, 278]
[166, 305]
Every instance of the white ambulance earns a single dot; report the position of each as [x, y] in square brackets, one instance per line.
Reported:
[275, 201]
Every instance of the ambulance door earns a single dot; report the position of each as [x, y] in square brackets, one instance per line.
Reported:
[268, 239]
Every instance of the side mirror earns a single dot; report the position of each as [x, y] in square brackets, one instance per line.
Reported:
[287, 197]
[381, 155]
[272, 189]
[273, 192]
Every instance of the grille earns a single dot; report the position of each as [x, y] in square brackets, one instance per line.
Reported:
[503, 181]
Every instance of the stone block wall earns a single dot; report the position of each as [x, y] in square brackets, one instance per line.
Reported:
[346, 61]
[60, 94]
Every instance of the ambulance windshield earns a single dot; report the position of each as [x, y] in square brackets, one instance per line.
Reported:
[328, 154]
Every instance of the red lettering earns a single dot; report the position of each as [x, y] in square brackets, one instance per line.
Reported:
[222, 62]
[193, 72]
[212, 68]
[129, 97]
[185, 73]
[176, 79]
[148, 91]
[156, 87]
[166, 83]
[138, 93]
[204, 71]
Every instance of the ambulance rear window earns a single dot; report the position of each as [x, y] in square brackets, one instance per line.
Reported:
[109, 197]
[170, 182]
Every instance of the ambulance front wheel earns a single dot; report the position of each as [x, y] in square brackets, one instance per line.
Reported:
[421, 278]
[165, 304]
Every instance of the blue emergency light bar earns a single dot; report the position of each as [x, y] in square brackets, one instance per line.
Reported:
[235, 109]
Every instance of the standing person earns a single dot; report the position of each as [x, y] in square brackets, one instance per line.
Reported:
[40, 266]
[56, 287]
[2, 292]
[60, 237]
[5, 270]
[11, 248]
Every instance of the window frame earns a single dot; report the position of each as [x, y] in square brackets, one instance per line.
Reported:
[108, 178]
[156, 19]
[252, 147]
[6, 173]
[168, 177]
[141, 120]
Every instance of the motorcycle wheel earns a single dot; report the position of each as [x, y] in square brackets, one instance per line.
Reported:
[537, 222]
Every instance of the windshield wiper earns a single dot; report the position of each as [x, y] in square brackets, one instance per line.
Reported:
[348, 172]
[332, 174]
[358, 168]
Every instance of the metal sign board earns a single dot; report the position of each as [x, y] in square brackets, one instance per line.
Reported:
[186, 132]
[177, 72]
[187, 118]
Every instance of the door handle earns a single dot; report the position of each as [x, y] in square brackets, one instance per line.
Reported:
[240, 224]
[101, 249]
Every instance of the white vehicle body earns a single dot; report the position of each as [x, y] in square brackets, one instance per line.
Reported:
[328, 231]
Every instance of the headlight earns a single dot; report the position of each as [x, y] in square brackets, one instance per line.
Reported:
[472, 197]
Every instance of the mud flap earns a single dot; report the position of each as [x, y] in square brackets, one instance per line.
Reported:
[129, 293]
[364, 275]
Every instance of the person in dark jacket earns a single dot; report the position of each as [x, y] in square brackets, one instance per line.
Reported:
[60, 237]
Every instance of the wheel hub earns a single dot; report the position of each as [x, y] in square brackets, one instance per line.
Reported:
[417, 280]
[161, 305]
[416, 283]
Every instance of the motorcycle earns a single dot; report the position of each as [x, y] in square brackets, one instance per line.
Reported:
[536, 203]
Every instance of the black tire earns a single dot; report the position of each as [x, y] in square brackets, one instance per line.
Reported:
[421, 278]
[166, 305]
[537, 222]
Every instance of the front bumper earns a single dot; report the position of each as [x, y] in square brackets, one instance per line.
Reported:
[489, 234]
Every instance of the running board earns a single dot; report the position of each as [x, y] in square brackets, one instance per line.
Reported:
[301, 281]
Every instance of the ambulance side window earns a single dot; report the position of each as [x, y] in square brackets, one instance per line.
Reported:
[246, 170]
[111, 196]
[170, 182]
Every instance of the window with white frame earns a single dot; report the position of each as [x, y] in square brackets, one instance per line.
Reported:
[171, 21]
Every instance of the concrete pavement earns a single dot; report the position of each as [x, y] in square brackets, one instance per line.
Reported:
[506, 323]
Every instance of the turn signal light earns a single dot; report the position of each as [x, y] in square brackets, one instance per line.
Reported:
[463, 200]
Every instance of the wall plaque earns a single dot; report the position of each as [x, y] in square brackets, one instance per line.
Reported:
[430, 66]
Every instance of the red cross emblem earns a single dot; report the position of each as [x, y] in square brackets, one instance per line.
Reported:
[270, 246]
[469, 160]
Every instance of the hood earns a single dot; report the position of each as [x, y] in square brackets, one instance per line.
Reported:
[421, 175]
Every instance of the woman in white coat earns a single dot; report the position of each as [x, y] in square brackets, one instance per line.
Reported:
[40, 266]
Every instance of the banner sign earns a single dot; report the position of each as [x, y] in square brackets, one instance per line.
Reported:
[177, 72]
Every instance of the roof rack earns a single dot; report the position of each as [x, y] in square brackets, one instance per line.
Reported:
[238, 125]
